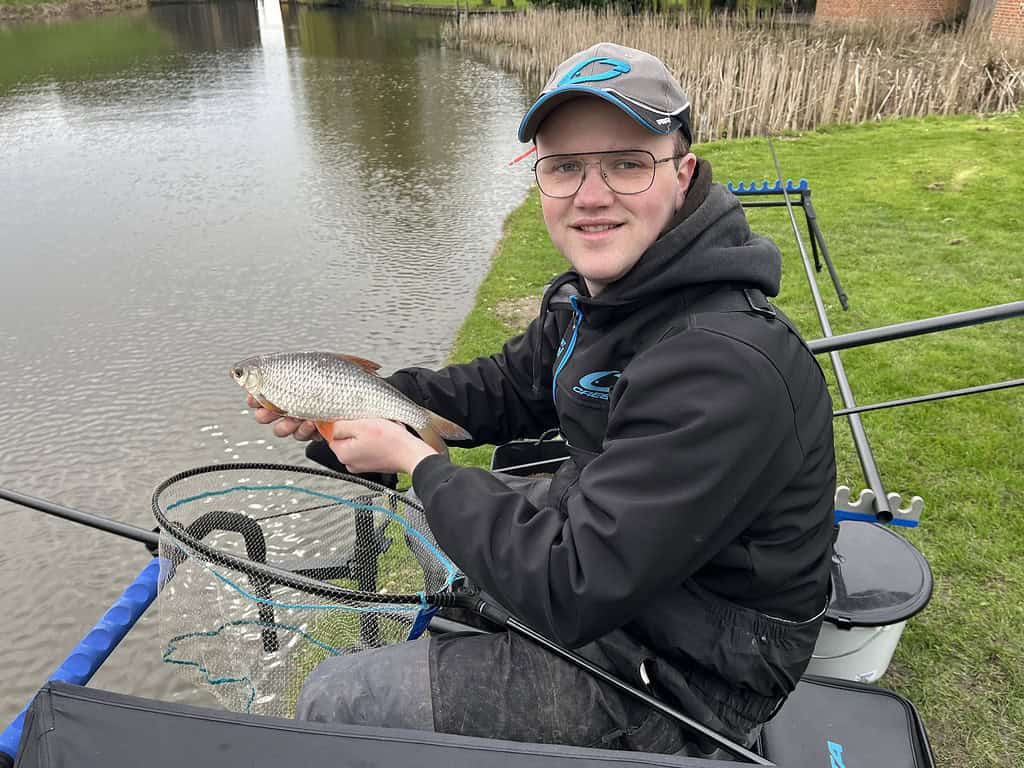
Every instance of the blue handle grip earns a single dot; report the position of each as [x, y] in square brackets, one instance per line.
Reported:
[96, 646]
[864, 517]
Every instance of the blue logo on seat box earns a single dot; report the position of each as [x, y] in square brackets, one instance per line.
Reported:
[835, 755]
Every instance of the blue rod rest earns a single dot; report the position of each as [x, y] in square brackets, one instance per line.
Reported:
[97, 645]
[865, 517]
[767, 187]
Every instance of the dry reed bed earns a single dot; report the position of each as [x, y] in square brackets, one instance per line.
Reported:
[748, 79]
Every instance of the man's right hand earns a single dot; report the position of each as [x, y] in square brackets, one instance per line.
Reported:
[283, 425]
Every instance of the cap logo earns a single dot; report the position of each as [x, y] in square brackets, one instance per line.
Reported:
[574, 77]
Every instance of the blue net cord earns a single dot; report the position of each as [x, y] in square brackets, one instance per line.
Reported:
[449, 567]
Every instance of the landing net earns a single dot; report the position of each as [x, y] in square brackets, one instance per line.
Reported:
[267, 570]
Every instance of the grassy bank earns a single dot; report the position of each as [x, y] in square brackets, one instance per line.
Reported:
[922, 218]
[28, 10]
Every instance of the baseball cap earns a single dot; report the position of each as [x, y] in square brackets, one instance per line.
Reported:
[634, 81]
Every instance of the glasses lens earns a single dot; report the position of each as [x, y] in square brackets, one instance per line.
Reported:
[628, 173]
[559, 175]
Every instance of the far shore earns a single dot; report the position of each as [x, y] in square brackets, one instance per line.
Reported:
[15, 12]
[69, 9]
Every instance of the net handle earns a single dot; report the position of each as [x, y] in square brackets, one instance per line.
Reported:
[255, 549]
[268, 574]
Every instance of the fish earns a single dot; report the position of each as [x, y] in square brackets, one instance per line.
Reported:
[325, 387]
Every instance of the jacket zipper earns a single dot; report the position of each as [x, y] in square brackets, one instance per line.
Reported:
[572, 344]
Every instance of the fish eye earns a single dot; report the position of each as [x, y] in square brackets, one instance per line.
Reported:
[237, 373]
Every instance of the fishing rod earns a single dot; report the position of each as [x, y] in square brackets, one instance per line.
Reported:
[911, 328]
[149, 538]
[930, 398]
[883, 511]
[917, 328]
[96, 646]
[501, 617]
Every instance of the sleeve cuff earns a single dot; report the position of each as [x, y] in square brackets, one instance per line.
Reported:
[430, 474]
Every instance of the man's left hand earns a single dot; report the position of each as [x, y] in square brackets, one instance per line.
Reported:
[378, 445]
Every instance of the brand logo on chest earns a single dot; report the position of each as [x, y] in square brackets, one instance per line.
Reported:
[597, 385]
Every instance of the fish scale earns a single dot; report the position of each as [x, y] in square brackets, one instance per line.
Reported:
[320, 386]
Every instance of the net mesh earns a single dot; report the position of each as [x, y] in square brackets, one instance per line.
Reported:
[268, 570]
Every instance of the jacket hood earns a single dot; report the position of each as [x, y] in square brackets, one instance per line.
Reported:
[708, 241]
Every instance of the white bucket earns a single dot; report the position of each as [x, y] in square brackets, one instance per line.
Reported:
[859, 653]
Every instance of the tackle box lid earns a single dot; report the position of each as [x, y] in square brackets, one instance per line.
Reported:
[878, 577]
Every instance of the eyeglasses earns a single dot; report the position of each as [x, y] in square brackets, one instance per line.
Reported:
[626, 172]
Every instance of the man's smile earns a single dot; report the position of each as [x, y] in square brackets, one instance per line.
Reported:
[594, 227]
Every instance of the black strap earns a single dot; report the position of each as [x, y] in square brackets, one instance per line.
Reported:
[733, 300]
[744, 300]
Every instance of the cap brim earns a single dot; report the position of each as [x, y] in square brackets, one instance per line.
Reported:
[543, 107]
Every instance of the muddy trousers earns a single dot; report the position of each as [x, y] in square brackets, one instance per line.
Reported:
[500, 686]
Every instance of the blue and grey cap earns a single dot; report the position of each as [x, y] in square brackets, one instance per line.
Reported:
[635, 81]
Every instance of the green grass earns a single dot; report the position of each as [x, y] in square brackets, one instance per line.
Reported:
[921, 217]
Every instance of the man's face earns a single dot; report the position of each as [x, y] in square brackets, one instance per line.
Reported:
[602, 233]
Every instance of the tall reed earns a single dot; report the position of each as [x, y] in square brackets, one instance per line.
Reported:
[749, 77]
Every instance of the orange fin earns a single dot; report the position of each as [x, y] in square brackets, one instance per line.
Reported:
[362, 362]
[271, 407]
[449, 430]
[325, 428]
[429, 436]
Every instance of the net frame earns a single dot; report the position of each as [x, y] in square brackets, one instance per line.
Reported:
[270, 574]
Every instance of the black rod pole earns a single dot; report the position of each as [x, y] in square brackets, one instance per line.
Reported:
[500, 616]
[149, 538]
[917, 327]
[860, 438]
[929, 398]
[625, 687]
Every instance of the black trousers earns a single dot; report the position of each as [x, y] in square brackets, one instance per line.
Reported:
[500, 686]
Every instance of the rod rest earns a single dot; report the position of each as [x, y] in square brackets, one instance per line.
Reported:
[767, 187]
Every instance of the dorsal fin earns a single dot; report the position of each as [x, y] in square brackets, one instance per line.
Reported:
[362, 362]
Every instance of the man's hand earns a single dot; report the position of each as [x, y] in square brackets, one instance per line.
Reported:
[284, 426]
[378, 445]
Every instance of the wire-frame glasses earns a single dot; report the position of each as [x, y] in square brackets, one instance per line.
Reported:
[626, 172]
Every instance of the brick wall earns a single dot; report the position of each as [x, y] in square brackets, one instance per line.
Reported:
[1008, 20]
[923, 10]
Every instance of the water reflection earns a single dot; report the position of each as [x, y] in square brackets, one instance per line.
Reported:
[187, 185]
[89, 49]
[210, 26]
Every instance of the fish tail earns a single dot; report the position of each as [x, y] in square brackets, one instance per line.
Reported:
[430, 436]
[449, 430]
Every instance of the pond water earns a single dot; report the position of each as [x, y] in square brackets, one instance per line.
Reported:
[182, 187]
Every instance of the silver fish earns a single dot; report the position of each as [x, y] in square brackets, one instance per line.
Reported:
[323, 387]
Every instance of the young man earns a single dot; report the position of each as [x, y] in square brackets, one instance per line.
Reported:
[685, 546]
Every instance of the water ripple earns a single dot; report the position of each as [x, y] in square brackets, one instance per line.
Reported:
[167, 214]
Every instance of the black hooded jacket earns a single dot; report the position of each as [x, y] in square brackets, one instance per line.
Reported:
[691, 531]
